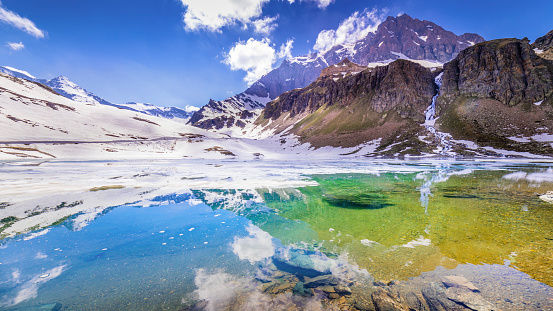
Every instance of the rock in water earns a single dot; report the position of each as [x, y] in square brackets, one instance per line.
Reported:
[300, 290]
[384, 300]
[437, 300]
[468, 298]
[459, 282]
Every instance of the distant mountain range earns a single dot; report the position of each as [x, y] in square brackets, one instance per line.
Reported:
[71, 90]
[401, 37]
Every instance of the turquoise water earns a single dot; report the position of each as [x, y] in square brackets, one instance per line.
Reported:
[220, 233]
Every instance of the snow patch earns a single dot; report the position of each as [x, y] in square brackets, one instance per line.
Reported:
[23, 72]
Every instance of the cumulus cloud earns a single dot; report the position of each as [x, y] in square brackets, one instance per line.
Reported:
[352, 29]
[286, 49]
[213, 15]
[22, 23]
[265, 25]
[256, 57]
[15, 46]
[256, 247]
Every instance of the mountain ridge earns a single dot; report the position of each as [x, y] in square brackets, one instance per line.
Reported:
[430, 43]
[67, 88]
[496, 95]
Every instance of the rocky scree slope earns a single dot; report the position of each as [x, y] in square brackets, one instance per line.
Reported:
[395, 38]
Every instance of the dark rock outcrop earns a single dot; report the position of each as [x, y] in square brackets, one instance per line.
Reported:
[507, 70]
[544, 46]
[403, 86]
[495, 91]
[346, 111]
[544, 43]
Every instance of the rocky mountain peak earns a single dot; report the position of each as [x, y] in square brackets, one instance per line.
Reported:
[543, 46]
[342, 69]
[407, 37]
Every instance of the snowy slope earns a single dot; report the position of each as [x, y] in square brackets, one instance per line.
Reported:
[71, 90]
[32, 112]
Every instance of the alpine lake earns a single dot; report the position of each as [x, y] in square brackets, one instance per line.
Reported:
[272, 235]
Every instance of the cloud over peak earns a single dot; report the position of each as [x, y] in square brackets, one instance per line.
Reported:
[256, 57]
[350, 30]
[13, 19]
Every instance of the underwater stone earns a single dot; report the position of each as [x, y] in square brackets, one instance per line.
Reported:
[322, 280]
[300, 290]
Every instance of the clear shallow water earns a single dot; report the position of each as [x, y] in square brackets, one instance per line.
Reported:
[167, 234]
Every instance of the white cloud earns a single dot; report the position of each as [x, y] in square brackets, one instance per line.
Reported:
[256, 57]
[265, 25]
[22, 23]
[213, 15]
[352, 29]
[286, 49]
[320, 3]
[323, 3]
[15, 46]
[256, 247]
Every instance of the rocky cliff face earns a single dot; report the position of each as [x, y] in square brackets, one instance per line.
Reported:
[506, 70]
[397, 37]
[499, 93]
[357, 108]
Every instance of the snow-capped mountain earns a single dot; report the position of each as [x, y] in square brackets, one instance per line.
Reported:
[164, 112]
[71, 90]
[401, 37]
[230, 115]
[31, 111]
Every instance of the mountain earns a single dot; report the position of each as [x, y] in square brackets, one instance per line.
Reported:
[71, 90]
[31, 111]
[350, 108]
[38, 122]
[494, 98]
[500, 94]
[401, 37]
[230, 115]
[543, 46]
[163, 112]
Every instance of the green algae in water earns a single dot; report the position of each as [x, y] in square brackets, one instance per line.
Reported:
[477, 218]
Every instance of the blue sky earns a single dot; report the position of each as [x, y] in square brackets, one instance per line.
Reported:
[184, 52]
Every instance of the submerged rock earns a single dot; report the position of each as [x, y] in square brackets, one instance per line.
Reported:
[468, 298]
[320, 281]
[386, 300]
[300, 290]
[459, 282]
